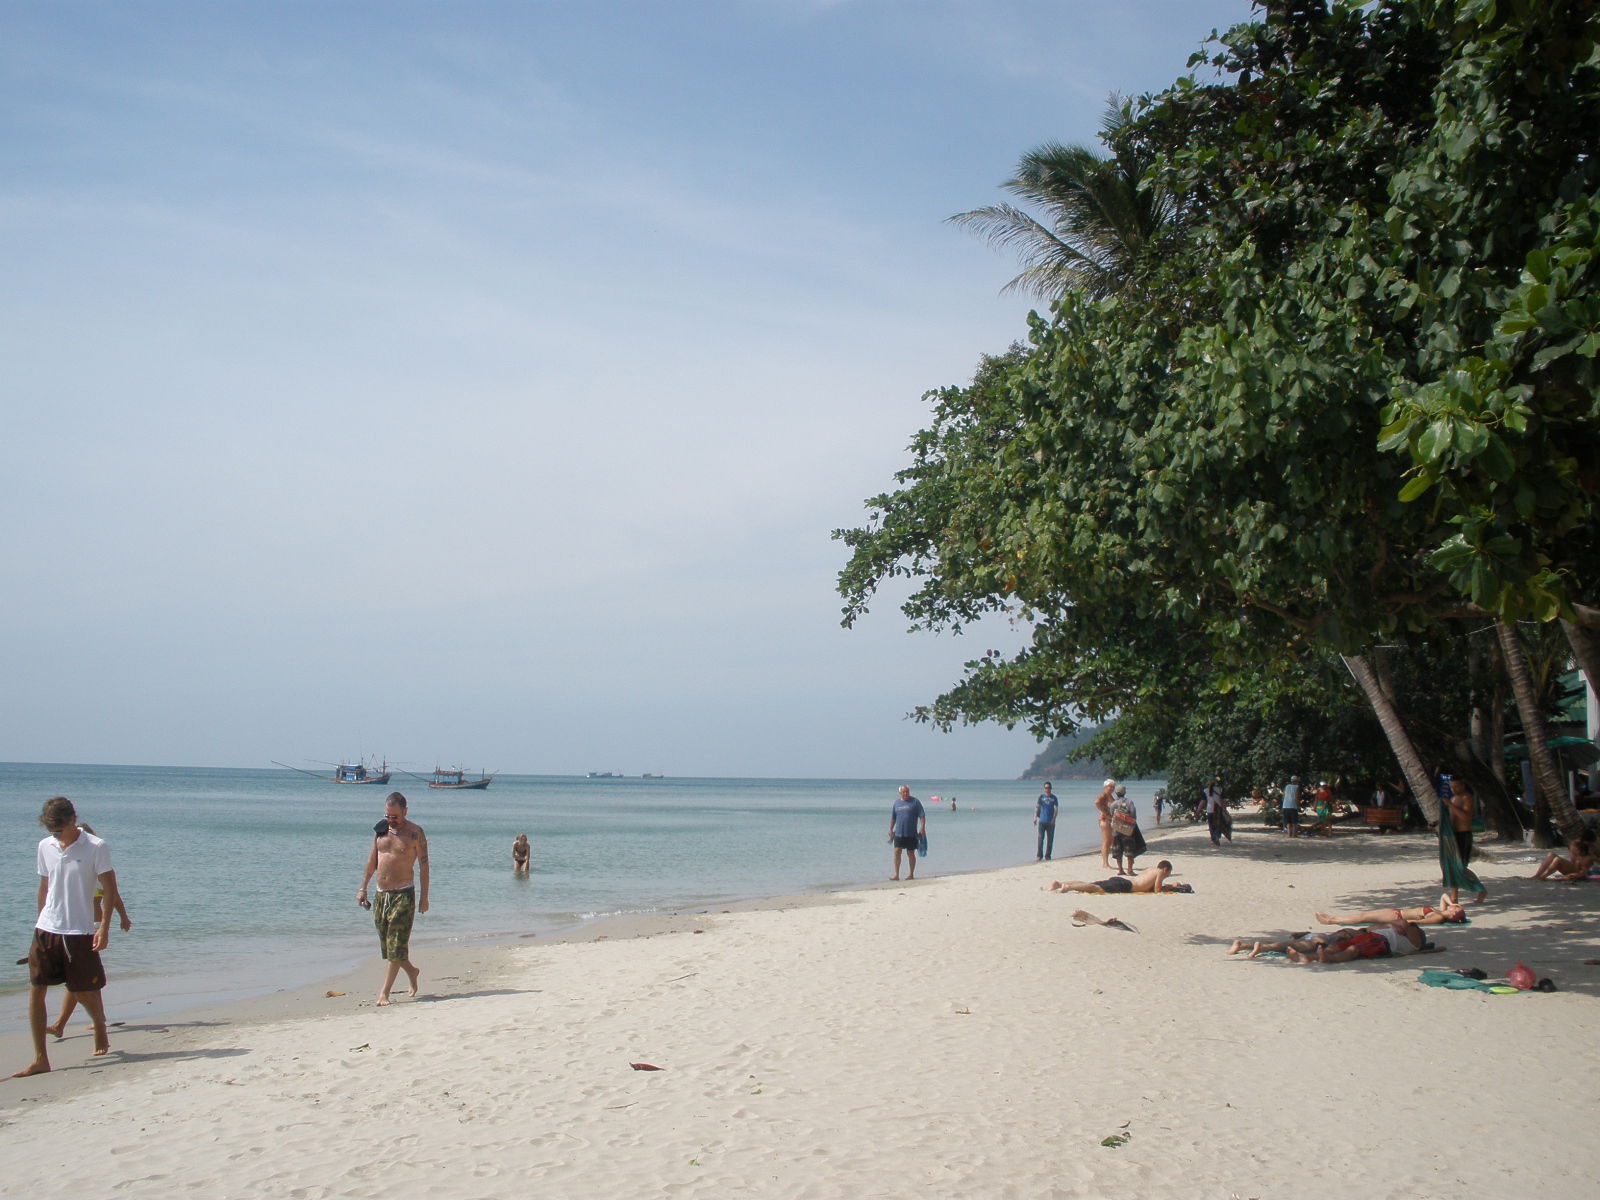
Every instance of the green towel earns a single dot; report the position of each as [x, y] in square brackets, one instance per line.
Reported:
[1434, 977]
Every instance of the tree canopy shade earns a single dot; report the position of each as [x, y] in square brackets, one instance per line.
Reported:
[1182, 483]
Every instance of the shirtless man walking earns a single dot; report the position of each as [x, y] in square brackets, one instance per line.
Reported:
[400, 857]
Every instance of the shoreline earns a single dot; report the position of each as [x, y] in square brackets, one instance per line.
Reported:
[958, 1035]
[145, 1003]
[463, 960]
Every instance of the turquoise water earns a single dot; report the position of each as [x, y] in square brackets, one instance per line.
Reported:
[242, 881]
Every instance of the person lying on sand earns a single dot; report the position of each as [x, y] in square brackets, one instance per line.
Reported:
[1377, 941]
[1305, 943]
[1577, 866]
[1151, 880]
[1448, 912]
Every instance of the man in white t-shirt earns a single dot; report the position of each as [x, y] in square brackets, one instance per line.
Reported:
[67, 939]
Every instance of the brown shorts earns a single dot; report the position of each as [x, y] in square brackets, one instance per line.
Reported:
[68, 958]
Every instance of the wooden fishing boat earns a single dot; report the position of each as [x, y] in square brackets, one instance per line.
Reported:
[356, 772]
[361, 772]
[457, 779]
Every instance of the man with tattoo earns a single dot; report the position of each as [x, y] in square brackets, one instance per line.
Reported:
[400, 857]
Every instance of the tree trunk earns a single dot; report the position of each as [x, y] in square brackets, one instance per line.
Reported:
[1547, 776]
[1488, 706]
[1405, 751]
[1585, 643]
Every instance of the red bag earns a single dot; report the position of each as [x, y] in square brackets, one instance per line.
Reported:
[1520, 977]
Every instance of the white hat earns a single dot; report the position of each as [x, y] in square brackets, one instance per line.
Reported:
[1109, 783]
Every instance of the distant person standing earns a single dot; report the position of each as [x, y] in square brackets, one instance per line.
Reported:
[1217, 813]
[1323, 796]
[520, 853]
[1127, 841]
[1458, 810]
[67, 939]
[1291, 806]
[1102, 804]
[1044, 817]
[1157, 803]
[399, 857]
[908, 821]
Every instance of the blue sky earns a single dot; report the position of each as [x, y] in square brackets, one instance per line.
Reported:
[480, 382]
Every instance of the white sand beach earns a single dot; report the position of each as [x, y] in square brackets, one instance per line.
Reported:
[951, 1037]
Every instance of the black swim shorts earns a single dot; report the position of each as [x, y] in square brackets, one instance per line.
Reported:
[68, 958]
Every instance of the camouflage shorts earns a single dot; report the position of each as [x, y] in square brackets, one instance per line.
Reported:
[393, 912]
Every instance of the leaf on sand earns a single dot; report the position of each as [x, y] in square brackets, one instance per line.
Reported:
[331, 995]
[643, 1067]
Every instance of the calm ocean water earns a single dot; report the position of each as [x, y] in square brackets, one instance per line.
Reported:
[242, 881]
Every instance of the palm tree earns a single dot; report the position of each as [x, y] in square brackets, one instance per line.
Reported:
[1097, 218]
[1548, 783]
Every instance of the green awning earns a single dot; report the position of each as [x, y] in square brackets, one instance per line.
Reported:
[1575, 750]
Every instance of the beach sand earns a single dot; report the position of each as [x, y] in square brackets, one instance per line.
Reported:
[954, 1036]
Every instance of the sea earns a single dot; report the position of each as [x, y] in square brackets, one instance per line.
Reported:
[240, 882]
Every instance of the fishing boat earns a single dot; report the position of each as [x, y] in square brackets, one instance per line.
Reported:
[457, 778]
[356, 772]
[361, 772]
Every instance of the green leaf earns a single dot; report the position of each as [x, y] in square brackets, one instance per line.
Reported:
[1415, 486]
[1496, 459]
[1434, 440]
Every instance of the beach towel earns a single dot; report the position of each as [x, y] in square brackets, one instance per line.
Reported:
[1456, 873]
[1455, 981]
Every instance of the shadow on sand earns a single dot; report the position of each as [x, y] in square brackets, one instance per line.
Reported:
[1548, 926]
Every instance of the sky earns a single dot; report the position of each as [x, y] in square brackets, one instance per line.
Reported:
[480, 383]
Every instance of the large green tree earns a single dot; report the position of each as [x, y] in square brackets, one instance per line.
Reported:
[1187, 471]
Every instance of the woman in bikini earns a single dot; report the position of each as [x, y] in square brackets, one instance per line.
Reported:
[1102, 803]
[1576, 867]
[1448, 912]
[520, 851]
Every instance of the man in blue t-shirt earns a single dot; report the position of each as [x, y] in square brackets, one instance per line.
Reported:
[908, 822]
[1044, 816]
